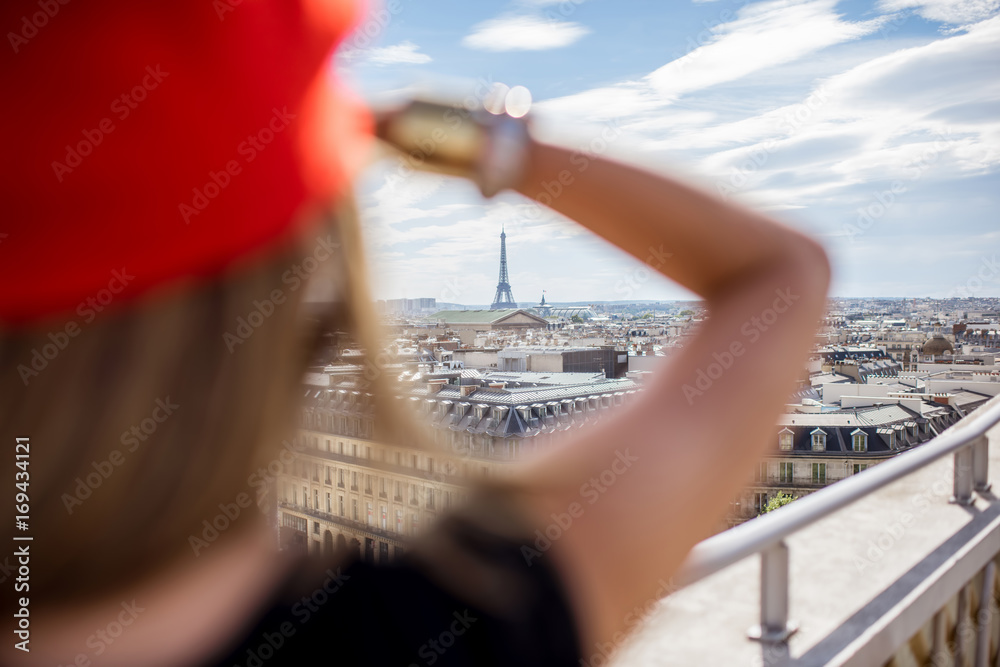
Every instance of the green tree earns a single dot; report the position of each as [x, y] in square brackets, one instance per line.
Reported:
[777, 501]
[577, 319]
[687, 312]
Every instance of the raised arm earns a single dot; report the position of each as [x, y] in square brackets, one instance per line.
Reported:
[682, 450]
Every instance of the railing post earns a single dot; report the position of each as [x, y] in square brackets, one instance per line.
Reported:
[962, 626]
[981, 463]
[963, 476]
[774, 625]
[985, 617]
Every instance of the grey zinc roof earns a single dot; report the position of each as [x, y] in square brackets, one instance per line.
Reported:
[472, 316]
[519, 396]
[874, 416]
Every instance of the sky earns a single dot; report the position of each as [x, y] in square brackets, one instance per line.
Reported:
[872, 126]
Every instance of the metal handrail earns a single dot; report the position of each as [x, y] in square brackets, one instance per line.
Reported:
[766, 534]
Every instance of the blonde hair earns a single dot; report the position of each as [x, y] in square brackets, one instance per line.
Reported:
[154, 414]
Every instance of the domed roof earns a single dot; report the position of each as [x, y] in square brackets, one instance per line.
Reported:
[937, 345]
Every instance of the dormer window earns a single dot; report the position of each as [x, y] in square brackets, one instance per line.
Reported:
[859, 440]
[785, 438]
[818, 440]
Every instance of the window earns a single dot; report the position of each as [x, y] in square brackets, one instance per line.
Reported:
[413, 495]
[368, 452]
[760, 502]
[315, 499]
[340, 446]
[859, 440]
[329, 507]
[295, 496]
[415, 461]
[371, 515]
[819, 473]
[383, 513]
[328, 445]
[298, 523]
[399, 493]
[354, 450]
[340, 501]
[785, 440]
[368, 484]
[399, 521]
[354, 480]
[430, 464]
[328, 480]
[381, 487]
[315, 468]
[305, 496]
[430, 499]
[354, 509]
[858, 467]
[818, 440]
[340, 478]
[316, 527]
[762, 471]
[785, 473]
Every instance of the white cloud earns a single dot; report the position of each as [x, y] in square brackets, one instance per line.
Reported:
[924, 113]
[404, 53]
[523, 33]
[946, 11]
[763, 35]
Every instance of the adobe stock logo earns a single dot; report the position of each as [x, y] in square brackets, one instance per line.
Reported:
[31, 26]
[122, 106]
[60, 339]
[249, 149]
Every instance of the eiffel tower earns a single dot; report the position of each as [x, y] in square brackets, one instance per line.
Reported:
[503, 299]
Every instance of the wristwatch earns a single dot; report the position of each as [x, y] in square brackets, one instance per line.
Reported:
[491, 149]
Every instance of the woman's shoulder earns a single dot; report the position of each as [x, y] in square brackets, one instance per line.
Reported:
[463, 596]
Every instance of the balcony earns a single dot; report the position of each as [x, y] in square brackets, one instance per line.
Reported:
[451, 478]
[353, 525]
[881, 568]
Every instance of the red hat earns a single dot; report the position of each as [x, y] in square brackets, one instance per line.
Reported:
[146, 142]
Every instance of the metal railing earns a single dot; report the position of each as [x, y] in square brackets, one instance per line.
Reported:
[766, 534]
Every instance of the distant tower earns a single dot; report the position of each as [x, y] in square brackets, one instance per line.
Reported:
[503, 299]
[543, 308]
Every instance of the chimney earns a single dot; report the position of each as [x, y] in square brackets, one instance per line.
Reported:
[468, 389]
[435, 385]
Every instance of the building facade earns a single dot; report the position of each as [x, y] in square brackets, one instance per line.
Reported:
[814, 450]
[348, 491]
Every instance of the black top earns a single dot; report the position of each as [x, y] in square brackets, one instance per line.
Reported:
[464, 596]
